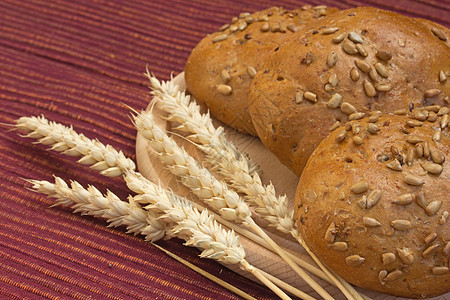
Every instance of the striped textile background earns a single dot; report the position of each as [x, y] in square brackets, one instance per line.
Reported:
[82, 63]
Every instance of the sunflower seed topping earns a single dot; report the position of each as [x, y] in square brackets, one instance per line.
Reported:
[251, 71]
[363, 202]
[432, 168]
[406, 255]
[413, 180]
[333, 79]
[225, 76]
[357, 140]
[439, 270]
[419, 150]
[349, 47]
[439, 34]
[330, 233]
[432, 117]
[347, 108]
[233, 28]
[369, 89]
[332, 59]
[339, 38]
[373, 74]
[373, 198]
[431, 237]
[382, 70]
[372, 128]
[224, 89]
[354, 260]
[310, 96]
[431, 93]
[354, 74]
[443, 218]
[330, 30]
[299, 97]
[356, 116]
[430, 250]
[219, 38]
[339, 246]
[414, 139]
[360, 187]
[401, 224]
[335, 125]
[442, 76]
[414, 123]
[382, 276]
[426, 149]
[341, 136]
[437, 156]
[291, 27]
[411, 153]
[362, 50]
[400, 112]
[420, 199]
[371, 222]
[394, 165]
[388, 258]
[446, 250]
[265, 27]
[362, 65]
[384, 55]
[224, 27]
[443, 110]
[444, 121]
[394, 275]
[383, 87]
[433, 207]
[404, 199]
[354, 37]
[335, 101]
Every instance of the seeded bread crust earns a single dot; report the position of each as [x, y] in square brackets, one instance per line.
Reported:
[342, 67]
[373, 202]
[220, 68]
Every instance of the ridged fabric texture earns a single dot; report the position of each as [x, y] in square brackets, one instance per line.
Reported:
[81, 63]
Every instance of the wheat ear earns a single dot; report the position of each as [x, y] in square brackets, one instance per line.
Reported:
[64, 139]
[214, 192]
[234, 166]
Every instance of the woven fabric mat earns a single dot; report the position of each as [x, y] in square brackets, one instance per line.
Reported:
[81, 63]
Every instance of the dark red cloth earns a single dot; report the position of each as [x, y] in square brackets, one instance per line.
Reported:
[82, 63]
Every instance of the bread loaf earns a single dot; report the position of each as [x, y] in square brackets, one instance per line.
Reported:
[220, 68]
[342, 67]
[373, 202]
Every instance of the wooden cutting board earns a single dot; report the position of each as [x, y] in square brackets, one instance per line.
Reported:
[284, 180]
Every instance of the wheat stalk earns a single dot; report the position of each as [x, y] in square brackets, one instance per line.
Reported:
[64, 139]
[214, 192]
[234, 166]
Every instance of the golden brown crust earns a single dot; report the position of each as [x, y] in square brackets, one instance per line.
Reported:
[362, 56]
[237, 50]
[373, 203]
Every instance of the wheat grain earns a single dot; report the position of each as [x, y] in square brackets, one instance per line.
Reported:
[64, 139]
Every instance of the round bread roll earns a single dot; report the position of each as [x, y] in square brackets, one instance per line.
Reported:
[339, 69]
[220, 68]
[373, 202]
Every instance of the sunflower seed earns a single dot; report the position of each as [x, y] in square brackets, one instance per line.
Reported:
[437, 156]
[275, 27]
[363, 202]
[430, 250]
[341, 136]
[373, 198]
[357, 140]
[339, 38]
[383, 87]
[442, 77]
[434, 108]
[419, 150]
[356, 116]
[361, 50]
[332, 59]
[406, 255]
[401, 43]
[432, 117]
[394, 150]
[431, 237]
[339, 246]
[443, 110]
[446, 250]
[330, 233]
[335, 101]
[420, 199]
[394, 165]
[354, 74]
[384, 55]
[224, 89]
[439, 34]
[265, 27]
[443, 218]
[373, 74]
[411, 153]
[225, 76]
[433, 207]
[348, 126]
[356, 128]
[382, 70]
[444, 121]
[251, 71]
[224, 27]
[439, 270]
[291, 27]
[362, 65]
[330, 30]
[414, 139]
[219, 38]
[233, 28]
[372, 128]
[354, 260]
[360, 187]
[388, 258]
[431, 93]
[404, 199]
[400, 112]
[413, 180]
[394, 275]
[414, 123]
[401, 224]
[347, 108]
[242, 25]
[421, 115]
[369, 89]
[373, 119]
[432, 168]
[244, 15]
[335, 125]
[349, 47]
[310, 96]
[299, 97]
[371, 222]
[382, 276]
[354, 37]
[333, 79]
[426, 149]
